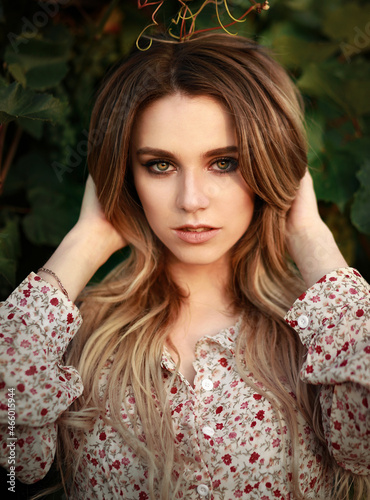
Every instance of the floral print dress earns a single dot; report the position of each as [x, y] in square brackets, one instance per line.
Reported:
[229, 432]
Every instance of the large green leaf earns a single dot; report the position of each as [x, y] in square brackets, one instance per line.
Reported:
[357, 92]
[319, 80]
[52, 214]
[53, 206]
[348, 21]
[32, 127]
[32, 169]
[346, 84]
[293, 51]
[15, 102]
[360, 212]
[315, 125]
[40, 62]
[335, 178]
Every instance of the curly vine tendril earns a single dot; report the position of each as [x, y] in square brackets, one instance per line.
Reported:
[185, 14]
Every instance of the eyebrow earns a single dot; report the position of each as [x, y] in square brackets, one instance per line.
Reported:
[208, 154]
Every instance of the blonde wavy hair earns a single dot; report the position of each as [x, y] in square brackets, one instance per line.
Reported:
[128, 316]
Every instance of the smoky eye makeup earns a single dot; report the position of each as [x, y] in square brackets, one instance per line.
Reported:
[222, 165]
[158, 166]
[225, 165]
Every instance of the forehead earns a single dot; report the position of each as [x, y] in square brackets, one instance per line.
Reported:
[180, 119]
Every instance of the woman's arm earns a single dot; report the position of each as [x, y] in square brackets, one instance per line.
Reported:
[332, 319]
[37, 322]
[310, 241]
[85, 248]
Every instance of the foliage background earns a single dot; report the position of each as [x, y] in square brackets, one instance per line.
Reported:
[55, 54]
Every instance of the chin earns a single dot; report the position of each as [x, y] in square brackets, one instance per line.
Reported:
[198, 257]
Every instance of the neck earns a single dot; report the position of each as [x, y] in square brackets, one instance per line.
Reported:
[205, 284]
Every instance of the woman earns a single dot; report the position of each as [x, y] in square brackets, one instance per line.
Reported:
[188, 377]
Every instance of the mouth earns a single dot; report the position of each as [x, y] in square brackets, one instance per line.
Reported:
[195, 229]
[195, 234]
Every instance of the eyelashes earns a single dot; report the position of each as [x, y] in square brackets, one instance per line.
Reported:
[224, 165]
[159, 166]
[229, 165]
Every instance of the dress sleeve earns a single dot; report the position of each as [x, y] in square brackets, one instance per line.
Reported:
[333, 321]
[37, 322]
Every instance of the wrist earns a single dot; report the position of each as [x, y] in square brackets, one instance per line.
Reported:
[77, 258]
[91, 243]
[315, 252]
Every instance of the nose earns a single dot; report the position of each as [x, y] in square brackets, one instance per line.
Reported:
[193, 192]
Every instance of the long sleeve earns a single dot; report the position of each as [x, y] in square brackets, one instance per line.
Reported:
[37, 322]
[333, 321]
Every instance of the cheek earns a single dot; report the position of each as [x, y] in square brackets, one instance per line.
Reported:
[241, 203]
[246, 211]
[154, 205]
[144, 193]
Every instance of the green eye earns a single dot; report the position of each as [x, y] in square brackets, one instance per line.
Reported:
[159, 166]
[162, 166]
[223, 164]
[226, 165]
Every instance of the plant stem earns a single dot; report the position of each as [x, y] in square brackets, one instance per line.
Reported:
[9, 157]
[3, 129]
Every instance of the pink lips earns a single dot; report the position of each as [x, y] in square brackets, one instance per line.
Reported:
[196, 236]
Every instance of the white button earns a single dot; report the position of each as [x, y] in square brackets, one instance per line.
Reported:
[203, 490]
[207, 384]
[303, 321]
[208, 430]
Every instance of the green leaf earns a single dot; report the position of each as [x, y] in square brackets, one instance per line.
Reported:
[335, 180]
[53, 213]
[40, 62]
[346, 22]
[319, 80]
[345, 84]
[315, 125]
[32, 127]
[32, 169]
[15, 102]
[359, 148]
[360, 211]
[293, 51]
[17, 72]
[357, 92]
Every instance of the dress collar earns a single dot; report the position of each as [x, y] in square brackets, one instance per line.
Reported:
[225, 337]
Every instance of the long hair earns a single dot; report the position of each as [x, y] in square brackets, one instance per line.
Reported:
[128, 316]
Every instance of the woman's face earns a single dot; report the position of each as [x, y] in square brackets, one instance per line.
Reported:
[185, 167]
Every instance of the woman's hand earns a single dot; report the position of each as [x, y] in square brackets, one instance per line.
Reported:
[309, 240]
[92, 219]
[304, 212]
[85, 248]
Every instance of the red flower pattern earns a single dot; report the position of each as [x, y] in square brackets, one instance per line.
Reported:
[254, 457]
[247, 432]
